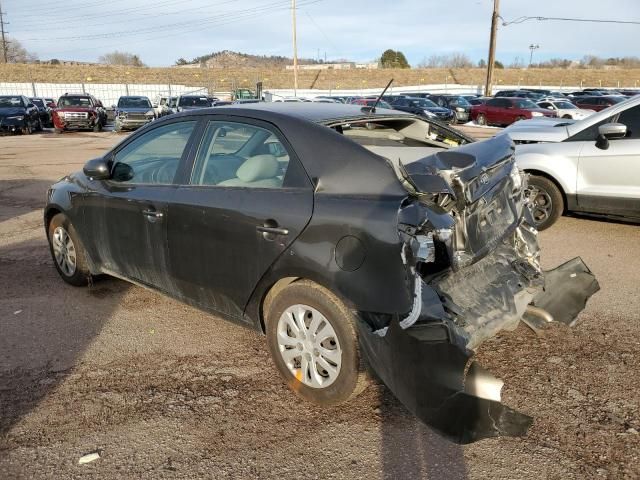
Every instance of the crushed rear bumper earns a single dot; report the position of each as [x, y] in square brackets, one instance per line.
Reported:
[430, 368]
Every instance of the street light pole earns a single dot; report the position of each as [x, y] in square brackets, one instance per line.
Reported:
[532, 47]
[295, 49]
[4, 41]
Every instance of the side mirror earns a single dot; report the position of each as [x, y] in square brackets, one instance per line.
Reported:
[612, 131]
[96, 169]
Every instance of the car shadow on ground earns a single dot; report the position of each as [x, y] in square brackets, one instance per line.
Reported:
[46, 327]
[411, 449]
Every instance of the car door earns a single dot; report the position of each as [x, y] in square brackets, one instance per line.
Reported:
[248, 198]
[494, 109]
[129, 228]
[609, 180]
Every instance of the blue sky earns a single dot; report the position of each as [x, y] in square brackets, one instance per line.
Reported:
[161, 31]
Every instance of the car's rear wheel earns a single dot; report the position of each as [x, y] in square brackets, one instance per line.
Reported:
[548, 203]
[481, 119]
[312, 338]
[67, 252]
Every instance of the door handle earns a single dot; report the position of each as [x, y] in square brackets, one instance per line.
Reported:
[272, 230]
[152, 215]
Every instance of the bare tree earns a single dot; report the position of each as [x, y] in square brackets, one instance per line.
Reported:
[16, 53]
[450, 60]
[517, 63]
[121, 58]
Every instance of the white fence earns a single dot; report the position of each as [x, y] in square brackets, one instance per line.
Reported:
[108, 93]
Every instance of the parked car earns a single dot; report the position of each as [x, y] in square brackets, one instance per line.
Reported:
[51, 102]
[423, 107]
[18, 115]
[598, 103]
[222, 103]
[79, 112]
[43, 110]
[566, 109]
[387, 258]
[456, 103]
[161, 105]
[370, 102]
[589, 166]
[519, 94]
[133, 112]
[191, 102]
[585, 94]
[505, 111]
[478, 101]
[629, 93]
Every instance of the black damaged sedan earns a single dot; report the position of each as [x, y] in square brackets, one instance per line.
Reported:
[355, 239]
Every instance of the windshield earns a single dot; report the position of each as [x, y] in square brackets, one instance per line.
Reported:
[422, 103]
[74, 102]
[617, 99]
[37, 102]
[461, 101]
[565, 105]
[525, 104]
[172, 102]
[194, 102]
[134, 102]
[8, 102]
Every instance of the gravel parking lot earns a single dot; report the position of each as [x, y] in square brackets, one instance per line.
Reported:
[162, 390]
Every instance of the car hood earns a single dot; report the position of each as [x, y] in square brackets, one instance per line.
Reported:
[11, 111]
[74, 109]
[134, 109]
[539, 129]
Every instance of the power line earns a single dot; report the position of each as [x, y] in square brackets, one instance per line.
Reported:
[230, 19]
[563, 19]
[187, 26]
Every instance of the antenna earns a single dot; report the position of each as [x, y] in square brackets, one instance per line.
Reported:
[373, 108]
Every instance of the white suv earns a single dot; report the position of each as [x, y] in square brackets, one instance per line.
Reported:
[590, 166]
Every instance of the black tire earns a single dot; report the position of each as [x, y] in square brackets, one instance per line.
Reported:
[98, 126]
[58, 130]
[352, 378]
[548, 202]
[28, 129]
[81, 275]
[481, 119]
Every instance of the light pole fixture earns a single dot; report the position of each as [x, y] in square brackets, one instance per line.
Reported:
[532, 47]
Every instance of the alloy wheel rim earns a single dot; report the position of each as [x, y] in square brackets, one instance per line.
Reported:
[64, 251]
[542, 204]
[309, 346]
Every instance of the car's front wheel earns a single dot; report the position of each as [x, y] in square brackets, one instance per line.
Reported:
[547, 200]
[67, 252]
[312, 338]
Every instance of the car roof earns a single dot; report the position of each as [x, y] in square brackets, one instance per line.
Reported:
[314, 112]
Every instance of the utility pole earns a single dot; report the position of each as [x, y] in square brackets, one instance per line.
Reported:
[492, 47]
[295, 49]
[4, 41]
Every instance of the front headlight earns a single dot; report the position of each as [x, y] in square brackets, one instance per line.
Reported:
[459, 109]
[429, 114]
[122, 114]
[16, 117]
[60, 114]
[536, 114]
[516, 177]
[150, 113]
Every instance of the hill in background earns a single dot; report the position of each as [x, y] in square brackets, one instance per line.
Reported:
[231, 59]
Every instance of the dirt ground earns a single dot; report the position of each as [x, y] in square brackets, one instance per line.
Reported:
[162, 390]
